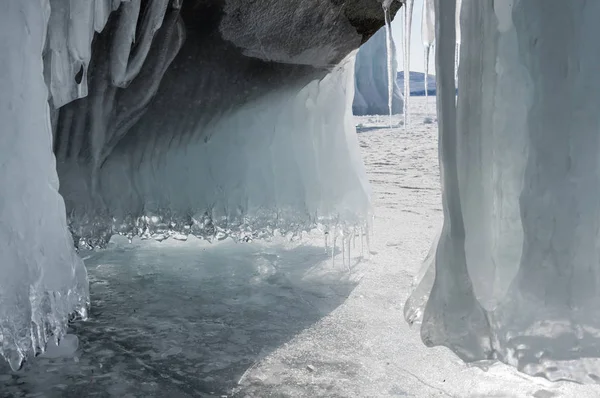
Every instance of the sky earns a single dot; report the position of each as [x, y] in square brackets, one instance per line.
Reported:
[417, 62]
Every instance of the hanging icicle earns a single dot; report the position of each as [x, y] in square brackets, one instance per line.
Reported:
[457, 50]
[428, 38]
[390, 54]
[408, 12]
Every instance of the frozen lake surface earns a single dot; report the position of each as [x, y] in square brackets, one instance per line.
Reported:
[277, 319]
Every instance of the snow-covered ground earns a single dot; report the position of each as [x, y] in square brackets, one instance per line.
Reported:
[278, 319]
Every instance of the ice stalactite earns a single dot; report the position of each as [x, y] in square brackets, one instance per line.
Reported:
[428, 39]
[389, 40]
[516, 272]
[125, 66]
[458, 41]
[407, 25]
[88, 129]
[43, 281]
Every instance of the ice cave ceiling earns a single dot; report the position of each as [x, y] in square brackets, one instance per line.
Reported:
[191, 65]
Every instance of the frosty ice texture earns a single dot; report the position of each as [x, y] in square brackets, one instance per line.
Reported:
[371, 76]
[517, 265]
[42, 280]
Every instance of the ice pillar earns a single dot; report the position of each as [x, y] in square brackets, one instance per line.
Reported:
[517, 268]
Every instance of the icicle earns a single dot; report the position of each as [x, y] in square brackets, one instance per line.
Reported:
[428, 38]
[333, 248]
[408, 11]
[368, 240]
[458, 40]
[343, 239]
[348, 252]
[389, 40]
[362, 243]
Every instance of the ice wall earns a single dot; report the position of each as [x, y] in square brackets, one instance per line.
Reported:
[517, 271]
[371, 96]
[42, 279]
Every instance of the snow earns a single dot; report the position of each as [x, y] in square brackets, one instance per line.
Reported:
[42, 279]
[371, 83]
[191, 319]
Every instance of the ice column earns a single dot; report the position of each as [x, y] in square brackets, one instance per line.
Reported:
[42, 279]
[517, 267]
[408, 12]
[428, 38]
[458, 40]
[389, 41]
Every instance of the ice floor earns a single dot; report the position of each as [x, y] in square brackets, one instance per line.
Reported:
[279, 319]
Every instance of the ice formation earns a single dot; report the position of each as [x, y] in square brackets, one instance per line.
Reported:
[371, 76]
[407, 25]
[389, 51]
[458, 40]
[167, 118]
[42, 279]
[516, 273]
[428, 39]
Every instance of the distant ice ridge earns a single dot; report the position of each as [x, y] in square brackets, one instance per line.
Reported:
[516, 272]
[42, 280]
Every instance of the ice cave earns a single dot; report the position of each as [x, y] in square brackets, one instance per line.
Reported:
[190, 207]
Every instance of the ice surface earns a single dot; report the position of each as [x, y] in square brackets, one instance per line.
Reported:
[371, 75]
[42, 279]
[516, 268]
